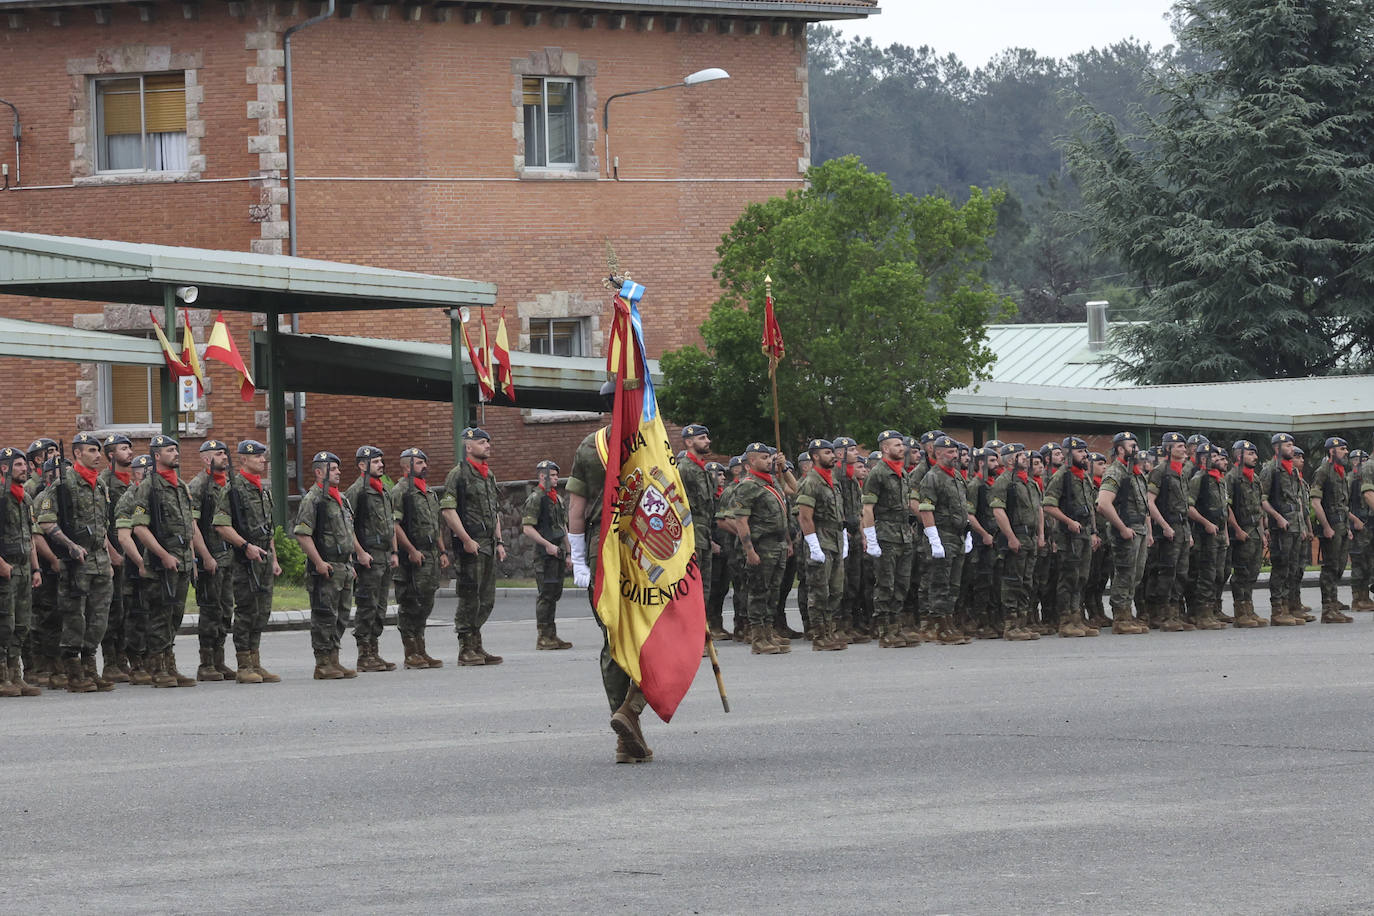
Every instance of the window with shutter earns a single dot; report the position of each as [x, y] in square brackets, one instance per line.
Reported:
[141, 123]
[550, 122]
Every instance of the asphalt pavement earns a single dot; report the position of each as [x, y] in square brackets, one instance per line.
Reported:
[1208, 772]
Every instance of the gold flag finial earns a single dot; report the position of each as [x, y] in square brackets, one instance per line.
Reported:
[615, 277]
[768, 284]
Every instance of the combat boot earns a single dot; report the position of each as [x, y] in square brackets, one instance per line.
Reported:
[112, 671]
[1018, 634]
[207, 671]
[776, 638]
[1298, 611]
[267, 676]
[1124, 624]
[857, 636]
[1088, 628]
[171, 668]
[625, 723]
[76, 680]
[1279, 615]
[890, 636]
[138, 671]
[1071, 628]
[468, 656]
[92, 672]
[1331, 613]
[1250, 612]
[623, 754]
[760, 644]
[1359, 601]
[487, 657]
[828, 640]
[1220, 614]
[334, 659]
[246, 674]
[424, 653]
[411, 648]
[57, 673]
[1245, 618]
[1206, 620]
[325, 669]
[947, 635]
[26, 689]
[548, 640]
[365, 662]
[719, 633]
[377, 657]
[217, 658]
[8, 688]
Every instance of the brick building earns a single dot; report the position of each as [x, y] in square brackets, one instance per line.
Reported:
[459, 139]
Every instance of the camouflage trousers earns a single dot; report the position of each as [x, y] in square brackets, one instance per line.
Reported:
[825, 588]
[331, 597]
[763, 582]
[985, 599]
[1099, 573]
[115, 637]
[1075, 562]
[1335, 551]
[944, 577]
[718, 583]
[1362, 557]
[251, 584]
[1246, 558]
[1018, 571]
[1167, 571]
[370, 597]
[1045, 591]
[166, 596]
[916, 601]
[704, 557]
[83, 603]
[550, 585]
[415, 590]
[135, 615]
[46, 633]
[891, 580]
[1285, 555]
[215, 603]
[16, 605]
[1209, 561]
[1128, 572]
[614, 680]
[851, 603]
[476, 592]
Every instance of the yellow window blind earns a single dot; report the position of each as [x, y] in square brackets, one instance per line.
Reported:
[164, 103]
[120, 108]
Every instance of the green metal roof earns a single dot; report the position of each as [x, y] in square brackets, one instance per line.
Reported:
[34, 340]
[56, 267]
[1048, 354]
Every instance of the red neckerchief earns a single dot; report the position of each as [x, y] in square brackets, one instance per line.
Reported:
[964, 472]
[1024, 477]
[420, 485]
[898, 467]
[254, 479]
[1249, 474]
[1216, 475]
[719, 490]
[767, 480]
[551, 494]
[86, 473]
[1135, 468]
[1287, 467]
[122, 476]
[376, 484]
[1078, 472]
[1097, 481]
[849, 470]
[220, 477]
[697, 461]
[1040, 482]
[479, 467]
[949, 471]
[169, 475]
[335, 495]
[1340, 471]
[994, 474]
[1176, 467]
[826, 475]
[17, 492]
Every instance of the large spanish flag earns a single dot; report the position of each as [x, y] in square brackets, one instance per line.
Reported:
[648, 589]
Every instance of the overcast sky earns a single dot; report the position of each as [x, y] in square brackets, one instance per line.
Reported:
[975, 30]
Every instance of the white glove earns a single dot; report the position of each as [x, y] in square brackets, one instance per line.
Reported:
[813, 544]
[577, 545]
[871, 542]
[968, 542]
[937, 548]
[844, 545]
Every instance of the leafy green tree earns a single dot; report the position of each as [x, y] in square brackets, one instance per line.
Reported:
[880, 298]
[1246, 205]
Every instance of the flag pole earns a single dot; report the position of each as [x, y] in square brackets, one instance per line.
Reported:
[715, 666]
[773, 375]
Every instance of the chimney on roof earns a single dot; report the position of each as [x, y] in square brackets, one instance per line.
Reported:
[1097, 325]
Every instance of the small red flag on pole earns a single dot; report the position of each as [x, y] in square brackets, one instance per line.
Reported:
[772, 334]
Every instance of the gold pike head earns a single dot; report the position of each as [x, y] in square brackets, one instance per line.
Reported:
[615, 277]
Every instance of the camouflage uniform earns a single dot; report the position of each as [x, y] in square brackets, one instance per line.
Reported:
[84, 588]
[889, 493]
[700, 490]
[138, 593]
[1128, 488]
[1362, 541]
[16, 592]
[758, 500]
[1210, 495]
[825, 581]
[1330, 486]
[944, 494]
[1099, 570]
[546, 513]
[214, 591]
[113, 645]
[1282, 488]
[415, 507]
[374, 529]
[985, 599]
[853, 615]
[1168, 565]
[1019, 498]
[246, 506]
[732, 559]
[167, 511]
[1071, 492]
[328, 521]
[46, 630]
[1243, 498]
[472, 493]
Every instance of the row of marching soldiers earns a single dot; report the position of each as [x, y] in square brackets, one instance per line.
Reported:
[928, 540]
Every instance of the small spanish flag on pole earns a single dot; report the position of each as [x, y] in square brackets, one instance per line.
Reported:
[175, 365]
[505, 376]
[485, 388]
[188, 353]
[648, 590]
[221, 348]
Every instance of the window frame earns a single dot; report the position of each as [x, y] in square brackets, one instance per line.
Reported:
[99, 139]
[106, 418]
[547, 325]
[549, 165]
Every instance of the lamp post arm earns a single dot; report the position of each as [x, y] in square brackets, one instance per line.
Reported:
[606, 117]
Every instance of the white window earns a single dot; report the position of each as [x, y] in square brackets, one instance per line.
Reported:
[141, 123]
[130, 396]
[550, 122]
[557, 336]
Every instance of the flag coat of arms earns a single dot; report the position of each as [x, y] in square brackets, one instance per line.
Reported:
[648, 589]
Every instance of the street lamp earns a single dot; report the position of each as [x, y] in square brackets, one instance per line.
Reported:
[701, 76]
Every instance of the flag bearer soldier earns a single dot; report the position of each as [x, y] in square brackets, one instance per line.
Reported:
[73, 514]
[758, 514]
[376, 533]
[889, 504]
[1361, 534]
[1209, 494]
[137, 579]
[1069, 501]
[214, 589]
[944, 511]
[1249, 533]
[544, 521]
[1100, 569]
[700, 487]
[324, 529]
[415, 512]
[1168, 567]
[1281, 499]
[1331, 505]
[243, 518]
[119, 452]
[585, 485]
[1123, 501]
[18, 572]
[471, 510]
[851, 624]
[1015, 503]
[820, 515]
[163, 520]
